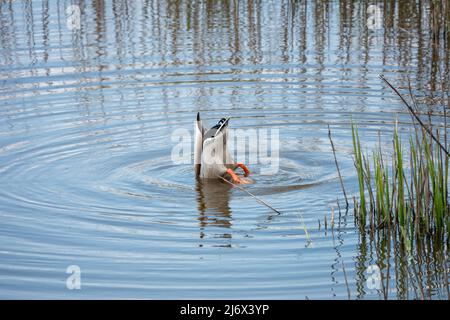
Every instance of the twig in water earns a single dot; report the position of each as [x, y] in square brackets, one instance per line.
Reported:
[346, 281]
[252, 195]
[308, 237]
[332, 218]
[416, 116]
[337, 166]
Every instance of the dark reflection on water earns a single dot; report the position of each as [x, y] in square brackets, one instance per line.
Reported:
[213, 199]
[86, 118]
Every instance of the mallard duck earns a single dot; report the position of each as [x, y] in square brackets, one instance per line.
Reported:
[212, 158]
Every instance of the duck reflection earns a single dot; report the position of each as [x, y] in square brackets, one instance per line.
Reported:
[214, 212]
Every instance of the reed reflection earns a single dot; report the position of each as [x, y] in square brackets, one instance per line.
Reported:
[405, 274]
[413, 35]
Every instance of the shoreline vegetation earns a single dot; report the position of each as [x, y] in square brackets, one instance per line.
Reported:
[407, 191]
[403, 204]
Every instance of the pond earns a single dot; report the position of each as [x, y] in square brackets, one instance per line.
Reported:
[94, 96]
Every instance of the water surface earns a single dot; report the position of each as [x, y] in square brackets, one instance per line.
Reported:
[87, 114]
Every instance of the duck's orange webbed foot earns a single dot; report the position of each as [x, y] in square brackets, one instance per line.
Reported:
[235, 178]
[244, 167]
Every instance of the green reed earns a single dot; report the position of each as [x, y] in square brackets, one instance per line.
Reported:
[409, 195]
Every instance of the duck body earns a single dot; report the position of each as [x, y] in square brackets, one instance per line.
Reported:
[212, 158]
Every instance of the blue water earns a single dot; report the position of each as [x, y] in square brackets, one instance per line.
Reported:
[88, 109]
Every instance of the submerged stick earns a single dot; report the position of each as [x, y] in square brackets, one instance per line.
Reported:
[332, 218]
[337, 167]
[251, 194]
[346, 281]
[416, 116]
[308, 237]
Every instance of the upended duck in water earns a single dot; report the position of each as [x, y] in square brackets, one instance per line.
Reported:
[212, 158]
